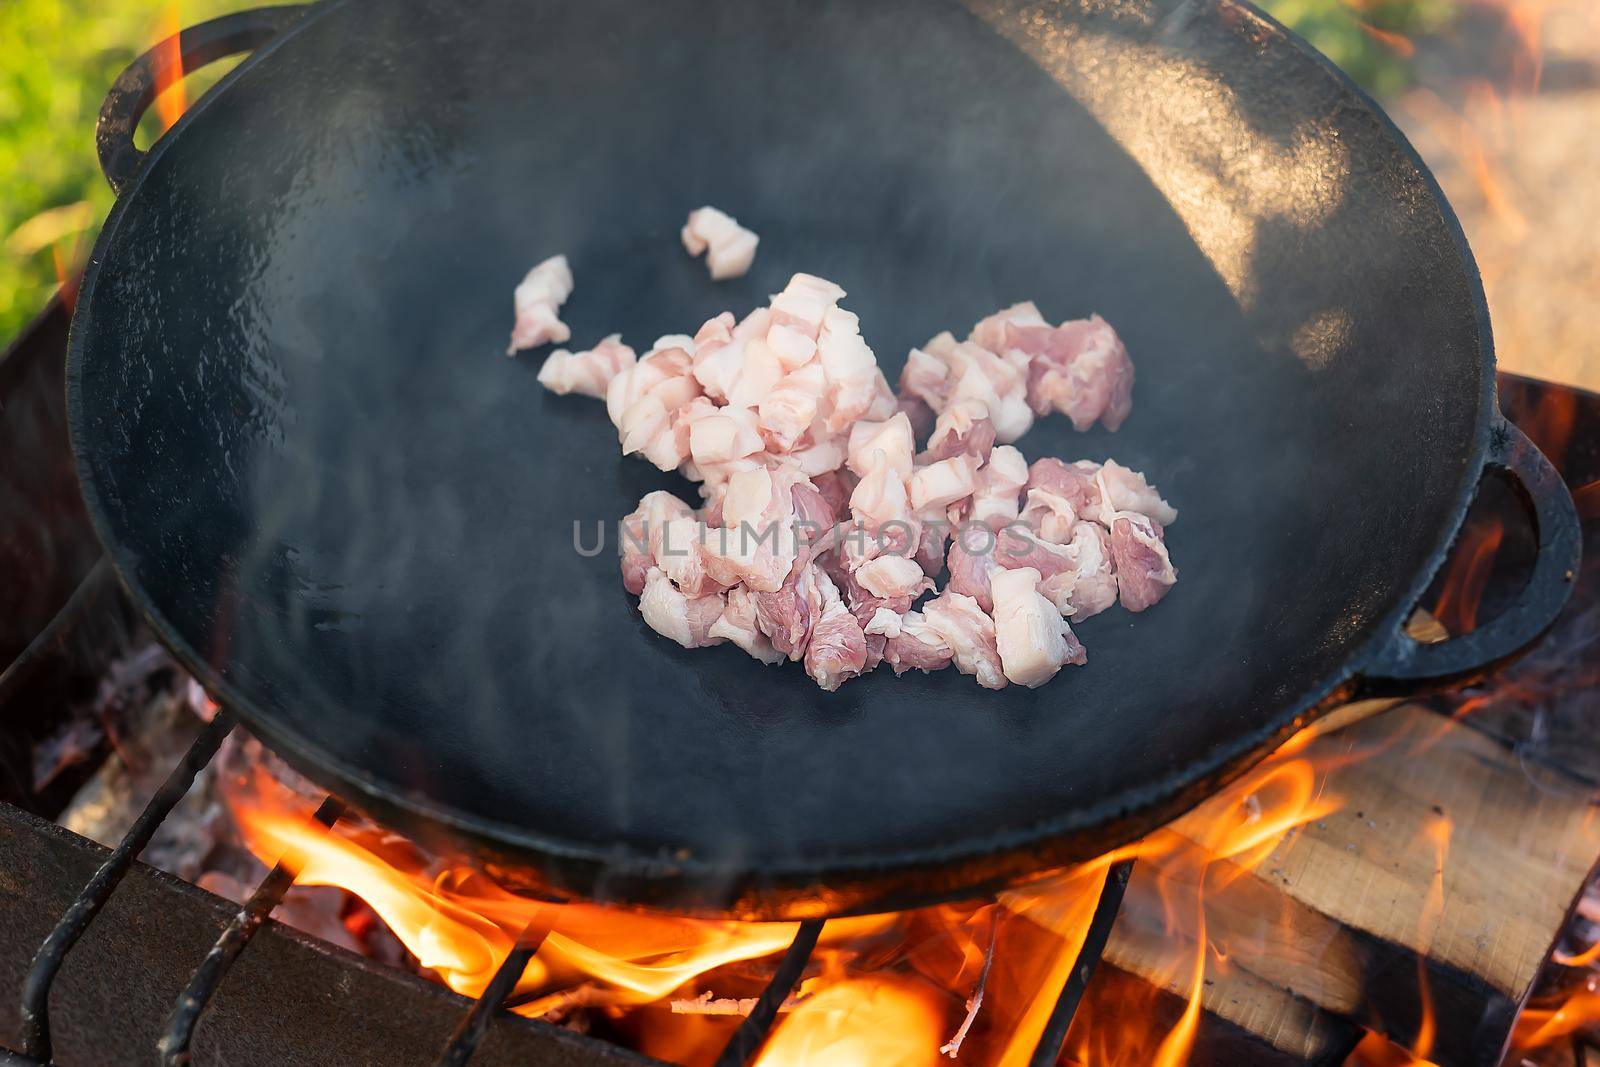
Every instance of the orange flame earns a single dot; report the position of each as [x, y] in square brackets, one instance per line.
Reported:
[1541, 1025]
[1398, 43]
[1586, 958]
[67, 256]
[874, 1021]
[459, 926]
[171, 99]
[1438, 832]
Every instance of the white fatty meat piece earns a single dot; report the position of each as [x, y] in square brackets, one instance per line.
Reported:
[537, 299]
[982, 375]
[1032, 638]
[880, 497]
[894, 438]
[926, 377]
[793, 348]
[970, 634]
[790, 407]
[1125, 490]
[644, 399]
[759, 372]
[884, 623]
[804, 303]
[941, 484]
[729, 247]
[889, 576]
[680, 555]
[586, 373]
[686, 620]
[718, 355]
[720, 435]
[991, 332]
[758, 544]
[997, 490]
[850, 366]
[641, 533]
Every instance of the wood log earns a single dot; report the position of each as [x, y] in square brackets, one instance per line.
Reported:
[1351, 916]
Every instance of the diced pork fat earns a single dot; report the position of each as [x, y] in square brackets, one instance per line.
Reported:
[641, 534]
[890, 576]
[587, 373]
[970, 634]
[730, 247]
[1032, 638]
[686, 620]
[998, 486]
[1122, 490]
[537, 299]
[894, 437]
[804, 303]
[941, 484]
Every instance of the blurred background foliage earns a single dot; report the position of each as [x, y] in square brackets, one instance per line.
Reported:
[61, 55]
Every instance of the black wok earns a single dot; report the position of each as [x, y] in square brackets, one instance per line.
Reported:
[353, 518]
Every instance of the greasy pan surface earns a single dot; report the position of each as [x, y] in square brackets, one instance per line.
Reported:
[354, 516]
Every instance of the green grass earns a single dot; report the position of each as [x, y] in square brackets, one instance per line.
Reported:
[60, 56]
[1336, 28]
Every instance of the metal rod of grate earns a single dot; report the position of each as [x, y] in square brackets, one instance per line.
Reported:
[464, 1042]
[35, 1028]
[752, 1033]
[1048, 1050]
[196, 997]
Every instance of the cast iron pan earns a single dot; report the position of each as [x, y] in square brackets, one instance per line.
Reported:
[353, 518]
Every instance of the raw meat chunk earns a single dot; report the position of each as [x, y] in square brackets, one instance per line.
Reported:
[537, 299]
[1031, 636]
[588, 373]
[1144, 570]
[970, 634]
[730, 247]
[917, 646]
[686, 620]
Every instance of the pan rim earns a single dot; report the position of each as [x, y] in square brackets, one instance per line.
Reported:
[781, 888]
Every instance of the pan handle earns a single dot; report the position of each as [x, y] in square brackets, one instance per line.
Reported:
[1404, 664]
[135, 88]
